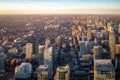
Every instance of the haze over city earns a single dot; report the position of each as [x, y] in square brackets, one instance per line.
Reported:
[59, 39]
[59, 6]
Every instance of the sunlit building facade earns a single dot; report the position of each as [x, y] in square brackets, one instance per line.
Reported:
[104, 70]
[29, 50]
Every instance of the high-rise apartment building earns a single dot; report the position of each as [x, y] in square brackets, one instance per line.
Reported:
[40, 55]
[112, 42]
[48, 59]
[29, 50]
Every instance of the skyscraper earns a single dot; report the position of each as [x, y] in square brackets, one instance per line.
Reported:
[62, 73]
[29, 50]
[112, 42]
[48, 60]
[40, 54]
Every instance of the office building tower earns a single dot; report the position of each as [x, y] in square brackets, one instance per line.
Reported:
[42, 72]
[40, 55]
[98, 52]
[29, 50]
[112, 42]
[62, 73]
[117, 48]
[104, 70]
[82, 48]
[2, 59]
[48, 60]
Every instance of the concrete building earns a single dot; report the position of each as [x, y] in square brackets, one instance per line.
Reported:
[104, 70]
[62, 73]
[112, 42]
[29, 50]
[98, 52]
[48, 60]
[42, 72]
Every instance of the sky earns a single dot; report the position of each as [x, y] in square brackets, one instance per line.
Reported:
[59, 6]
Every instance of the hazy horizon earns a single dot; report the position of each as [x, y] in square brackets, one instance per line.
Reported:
[60, 7]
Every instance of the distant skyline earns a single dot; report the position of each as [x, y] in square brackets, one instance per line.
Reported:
[59, 6]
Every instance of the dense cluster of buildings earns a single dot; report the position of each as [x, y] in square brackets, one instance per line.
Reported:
[76, 47]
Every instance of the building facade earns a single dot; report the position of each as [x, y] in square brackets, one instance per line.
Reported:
[104, 70]
[42, 72]
[112, 42]
[29, 50]
[48, 60]
[62, 73]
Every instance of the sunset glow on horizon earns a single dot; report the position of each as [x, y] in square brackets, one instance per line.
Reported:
[59, 7]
